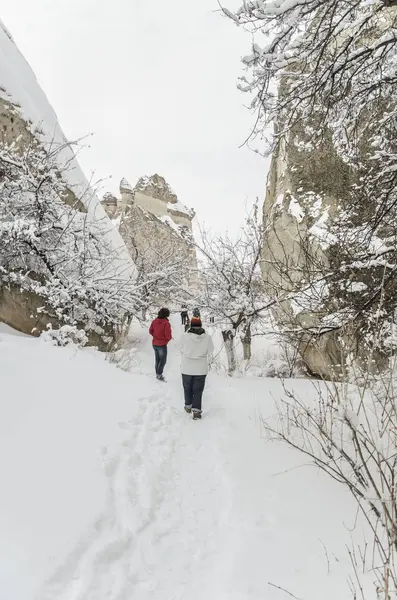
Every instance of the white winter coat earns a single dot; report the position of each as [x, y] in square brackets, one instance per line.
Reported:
[196, 350]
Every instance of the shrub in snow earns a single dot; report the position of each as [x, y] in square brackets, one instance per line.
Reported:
[271, 357]
[350, 432]
[123, 358]
[51, 247]
[272, 364]
[65, 335]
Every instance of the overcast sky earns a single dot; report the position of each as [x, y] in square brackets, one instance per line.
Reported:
[155, 82]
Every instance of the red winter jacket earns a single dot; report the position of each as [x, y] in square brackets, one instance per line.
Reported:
[160, 330]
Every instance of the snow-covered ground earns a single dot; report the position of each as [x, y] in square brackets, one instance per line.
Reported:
[110, 491]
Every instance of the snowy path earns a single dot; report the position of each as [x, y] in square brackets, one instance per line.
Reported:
[105, 563]
[162, 532]
[170, 508]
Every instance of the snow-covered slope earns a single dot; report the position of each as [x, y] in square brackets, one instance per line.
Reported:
[18, 85]
[110, 491]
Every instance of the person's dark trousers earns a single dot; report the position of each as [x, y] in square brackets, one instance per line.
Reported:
[160, 358]
[184, 318]
[193, 386]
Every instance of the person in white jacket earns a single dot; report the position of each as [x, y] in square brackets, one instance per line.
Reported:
[196, 349]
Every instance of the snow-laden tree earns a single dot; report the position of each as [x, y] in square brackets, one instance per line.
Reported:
[231, 285]
[323, 78]
[336, 58]
[53, 248]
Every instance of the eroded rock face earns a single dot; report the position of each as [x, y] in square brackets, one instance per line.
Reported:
[13, 128]
[28, 313]
[153, 224]
[309, 187]
[109, 203]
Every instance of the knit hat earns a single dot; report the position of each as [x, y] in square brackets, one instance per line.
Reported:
[195, 322]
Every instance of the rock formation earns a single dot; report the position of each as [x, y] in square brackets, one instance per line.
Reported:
[312, 191]
[155, 225]
[288, 248]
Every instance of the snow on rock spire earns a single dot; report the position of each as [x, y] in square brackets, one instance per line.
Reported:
[156, 187]
[125, 186]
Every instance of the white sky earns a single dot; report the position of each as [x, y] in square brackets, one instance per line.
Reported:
[155, 82]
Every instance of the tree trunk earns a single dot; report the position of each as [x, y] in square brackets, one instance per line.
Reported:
[228, 339]
[246, 340]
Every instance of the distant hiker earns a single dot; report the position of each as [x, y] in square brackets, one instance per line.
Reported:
[184, 315]
[160, 330]
[212, 319]
[196, 348]
[196, 313]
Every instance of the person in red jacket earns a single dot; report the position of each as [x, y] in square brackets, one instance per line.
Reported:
[160, 330]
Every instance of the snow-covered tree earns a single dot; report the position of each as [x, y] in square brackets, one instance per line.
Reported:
[51, 246]
[323, 75]
[231, 284]
[334, 58]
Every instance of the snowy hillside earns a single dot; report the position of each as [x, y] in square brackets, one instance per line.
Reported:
[110, 491]
[18, 85]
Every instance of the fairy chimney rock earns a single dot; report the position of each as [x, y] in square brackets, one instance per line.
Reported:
[154, 223]
[126, 194]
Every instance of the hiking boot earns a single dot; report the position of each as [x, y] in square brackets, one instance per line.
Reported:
[188, 409]
[160, 377]
[196, 414]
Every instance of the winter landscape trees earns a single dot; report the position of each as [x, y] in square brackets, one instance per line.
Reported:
[58, 258]
[323, 77]
[231, 288]
[322, 261]
[53, 249]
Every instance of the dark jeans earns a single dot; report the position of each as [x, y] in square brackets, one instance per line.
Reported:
[193, 386]
[184, 318]
[160, 358]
